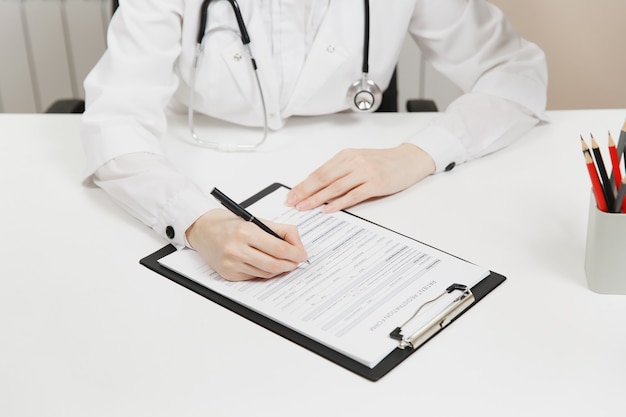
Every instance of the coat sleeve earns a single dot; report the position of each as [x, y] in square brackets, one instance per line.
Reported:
[127, 94]
[503, 78]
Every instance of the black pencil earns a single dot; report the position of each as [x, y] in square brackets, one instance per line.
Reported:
[606, 183]
[596, 185]
[621, 142]
[621, 150]
[619, 201]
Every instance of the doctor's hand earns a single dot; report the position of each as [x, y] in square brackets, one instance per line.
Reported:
[355, 175]
[240, 250]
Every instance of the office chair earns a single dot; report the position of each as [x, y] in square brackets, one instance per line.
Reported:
[70, 105]
[390, 100]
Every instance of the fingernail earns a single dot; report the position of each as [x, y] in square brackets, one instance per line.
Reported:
[291, 199]
[327, 208]
[302, 206]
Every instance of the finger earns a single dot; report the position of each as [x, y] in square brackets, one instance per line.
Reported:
[349, 199]
[319, 179]
[250, 263]
[290, 249]
[338, 189]
[229, 246]
[245, 272]
[264, 265]
[291, 235]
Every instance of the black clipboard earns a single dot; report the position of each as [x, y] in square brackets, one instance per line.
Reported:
[479, 291]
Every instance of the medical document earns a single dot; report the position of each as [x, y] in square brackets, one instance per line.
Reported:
[362, 282]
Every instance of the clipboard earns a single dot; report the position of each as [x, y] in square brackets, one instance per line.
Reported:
[407, 343]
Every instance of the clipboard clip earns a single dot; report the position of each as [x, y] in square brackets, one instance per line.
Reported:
[441, 320]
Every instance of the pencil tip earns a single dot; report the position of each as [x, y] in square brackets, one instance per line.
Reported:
[584, 144]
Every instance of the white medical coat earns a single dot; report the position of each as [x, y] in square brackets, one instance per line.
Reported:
[146, 70]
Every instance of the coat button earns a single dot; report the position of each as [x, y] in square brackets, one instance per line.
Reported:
[450, 166]
[169, 231]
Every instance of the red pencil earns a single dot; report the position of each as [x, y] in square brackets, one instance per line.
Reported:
[595, 179]
[617, 172]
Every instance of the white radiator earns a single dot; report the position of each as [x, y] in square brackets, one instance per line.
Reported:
[47, 47]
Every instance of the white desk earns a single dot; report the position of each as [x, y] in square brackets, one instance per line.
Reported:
[87, 331]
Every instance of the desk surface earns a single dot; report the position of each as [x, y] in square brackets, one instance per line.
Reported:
[87, 331]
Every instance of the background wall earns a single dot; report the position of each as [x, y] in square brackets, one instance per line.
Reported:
[48, 46]
[583, 41]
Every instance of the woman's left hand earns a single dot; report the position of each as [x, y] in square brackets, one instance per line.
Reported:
[355, 175]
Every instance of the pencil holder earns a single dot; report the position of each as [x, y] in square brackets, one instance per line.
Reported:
[604, 251]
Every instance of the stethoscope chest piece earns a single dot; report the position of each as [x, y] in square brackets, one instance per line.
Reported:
[364, 95]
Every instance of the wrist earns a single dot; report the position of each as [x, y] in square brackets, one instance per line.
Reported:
[421, 163]
[200, 227]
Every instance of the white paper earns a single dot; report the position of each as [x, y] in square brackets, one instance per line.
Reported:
[362, 282]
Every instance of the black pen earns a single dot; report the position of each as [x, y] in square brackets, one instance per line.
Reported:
[240, 211]
[243, 213]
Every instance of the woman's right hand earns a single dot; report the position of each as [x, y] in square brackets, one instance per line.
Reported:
[240, 250]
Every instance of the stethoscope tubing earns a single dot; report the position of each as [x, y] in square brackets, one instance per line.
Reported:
[363, 87]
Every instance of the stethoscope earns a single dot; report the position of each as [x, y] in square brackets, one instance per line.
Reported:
[363, 95]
